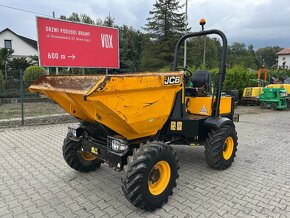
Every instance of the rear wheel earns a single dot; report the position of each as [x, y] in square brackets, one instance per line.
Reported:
[78, 159]
[150, 176]
[274, 106]
[221, 147]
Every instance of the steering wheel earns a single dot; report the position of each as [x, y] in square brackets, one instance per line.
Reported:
[187, 73]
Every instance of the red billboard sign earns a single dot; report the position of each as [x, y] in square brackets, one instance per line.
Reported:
[67, 44]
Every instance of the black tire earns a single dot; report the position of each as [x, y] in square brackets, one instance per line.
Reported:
[263, 105]
[71, 151]
[274, 106]
[139, 170]
[216, 146]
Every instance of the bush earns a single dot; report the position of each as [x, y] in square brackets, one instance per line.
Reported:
[1, 83]
[165, 69]
[237, 77]
[32, 73]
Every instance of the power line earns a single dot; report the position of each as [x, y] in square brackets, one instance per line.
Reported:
[23, 10]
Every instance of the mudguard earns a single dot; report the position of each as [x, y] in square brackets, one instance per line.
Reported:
[217, 122]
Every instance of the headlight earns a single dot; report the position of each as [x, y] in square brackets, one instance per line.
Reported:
[116, 144]
[75, 130]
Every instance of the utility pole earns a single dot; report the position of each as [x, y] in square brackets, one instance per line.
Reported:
[185, 32]
[202, 22]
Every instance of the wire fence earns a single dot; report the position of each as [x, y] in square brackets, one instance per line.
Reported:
[19, 107]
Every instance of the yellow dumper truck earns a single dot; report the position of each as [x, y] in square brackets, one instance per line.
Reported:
[130, 120]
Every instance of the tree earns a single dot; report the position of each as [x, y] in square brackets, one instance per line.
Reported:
[86, 19]
[18, 63]
[131, 42]
[195, 52]
[82, 18]
[239, 54]
[267, 55]
[109, 21]
[74, 17]
[5, 54]
[1, 83]
[165, 26]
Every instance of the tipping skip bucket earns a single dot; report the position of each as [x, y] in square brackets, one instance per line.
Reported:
[133, 105]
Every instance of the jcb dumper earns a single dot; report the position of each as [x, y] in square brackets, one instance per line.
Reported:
[129, 121]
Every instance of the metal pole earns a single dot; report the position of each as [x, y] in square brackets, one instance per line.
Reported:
[6, 74]
[21, 96]
[204, 50]
[185, 32]
[204, 46]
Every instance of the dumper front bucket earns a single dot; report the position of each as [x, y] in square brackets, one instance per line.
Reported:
[133, 105]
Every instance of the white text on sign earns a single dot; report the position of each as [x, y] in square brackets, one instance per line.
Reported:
[107, 41]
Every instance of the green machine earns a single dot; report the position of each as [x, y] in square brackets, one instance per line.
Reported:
[273, 98]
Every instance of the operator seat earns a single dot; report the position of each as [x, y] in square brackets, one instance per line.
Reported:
[200, 84]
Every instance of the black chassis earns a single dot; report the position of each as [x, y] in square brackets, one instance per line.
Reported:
[98, 143]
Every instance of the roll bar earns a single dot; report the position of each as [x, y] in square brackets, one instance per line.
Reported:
[222, 71]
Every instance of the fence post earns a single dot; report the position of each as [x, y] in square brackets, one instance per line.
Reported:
[21, 96]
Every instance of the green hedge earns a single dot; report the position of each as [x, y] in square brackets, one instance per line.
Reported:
[237, 77]
[32, 73]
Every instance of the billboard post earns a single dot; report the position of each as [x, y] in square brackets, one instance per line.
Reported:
[68, 44]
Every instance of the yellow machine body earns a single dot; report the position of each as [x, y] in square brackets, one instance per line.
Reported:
[203, 105]
[252, 92]
[284, 86]
[133, 105]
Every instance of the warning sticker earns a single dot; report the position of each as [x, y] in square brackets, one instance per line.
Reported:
[203, 110]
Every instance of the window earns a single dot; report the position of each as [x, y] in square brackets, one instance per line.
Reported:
[8, 44]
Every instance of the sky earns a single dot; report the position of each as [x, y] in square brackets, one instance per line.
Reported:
[257, 22]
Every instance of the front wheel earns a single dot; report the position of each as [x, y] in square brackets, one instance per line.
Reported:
[150, 176]
[263, 105]
[78, 159]
[221, 146]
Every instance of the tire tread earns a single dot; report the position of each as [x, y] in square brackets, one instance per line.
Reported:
[133, 174]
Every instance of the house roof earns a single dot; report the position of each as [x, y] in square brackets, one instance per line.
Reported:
[284, 51]
[30, 42]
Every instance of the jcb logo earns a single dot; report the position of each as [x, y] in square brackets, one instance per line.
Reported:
[171, 80]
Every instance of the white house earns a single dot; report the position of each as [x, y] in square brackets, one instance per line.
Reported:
[284, 58]
[22, 46]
